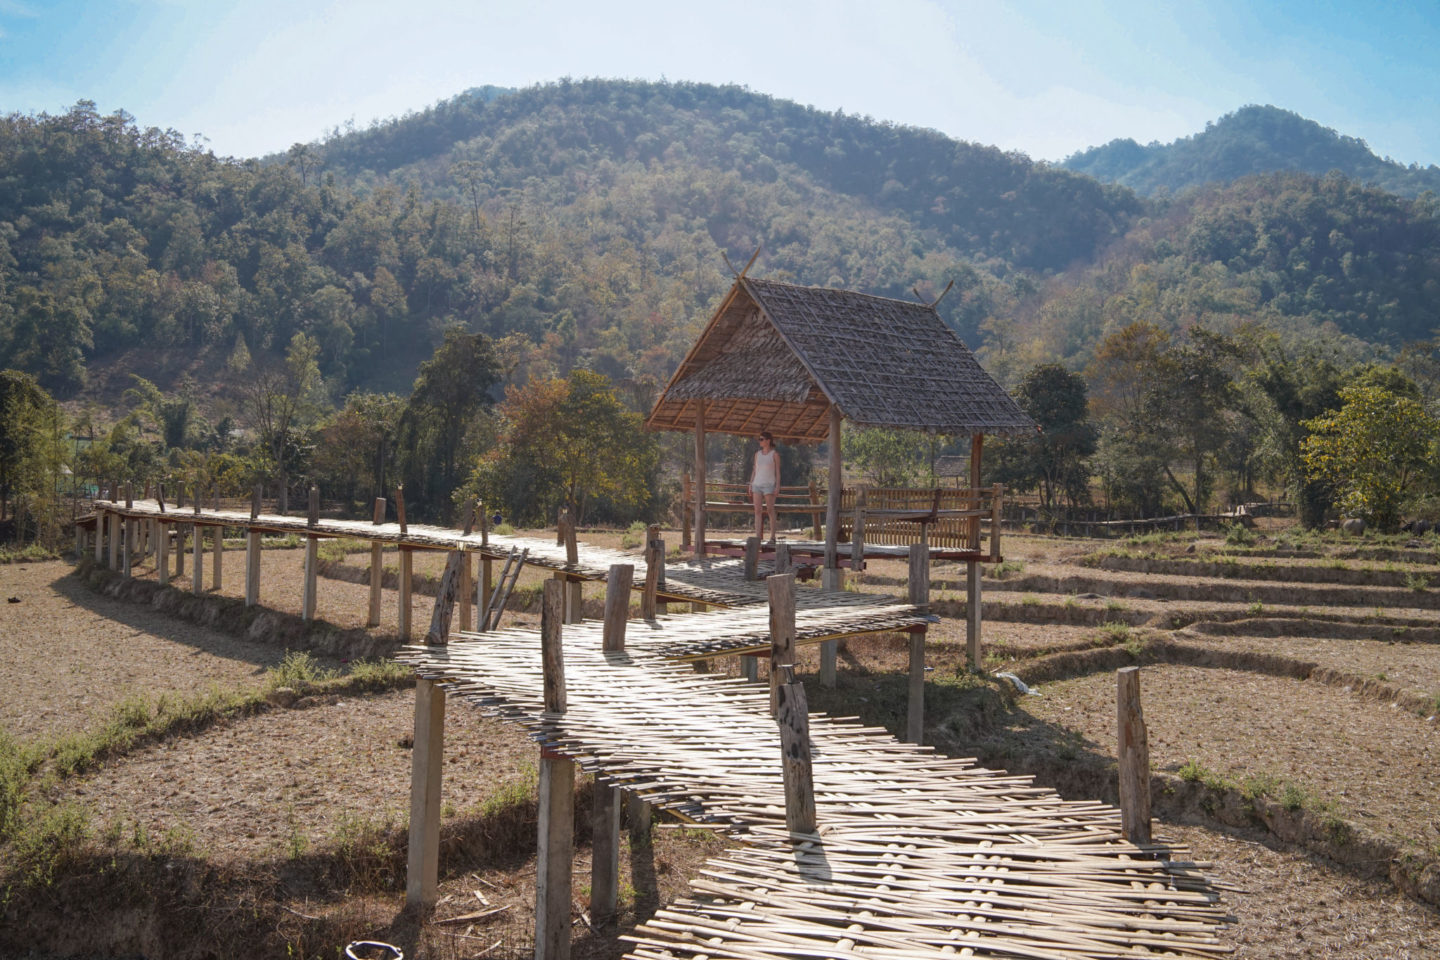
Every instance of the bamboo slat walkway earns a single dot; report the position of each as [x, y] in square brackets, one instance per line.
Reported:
[917, 855]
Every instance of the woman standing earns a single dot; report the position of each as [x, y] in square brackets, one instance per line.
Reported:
[765, 484]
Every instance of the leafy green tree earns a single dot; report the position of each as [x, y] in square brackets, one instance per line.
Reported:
[452, 389]
[1188, 409]
[26, 412]
[356, 445]
[1055, 460]
[1374, 451]
[1291, 389]
[281, 401]
[887, 458]
[569, 442]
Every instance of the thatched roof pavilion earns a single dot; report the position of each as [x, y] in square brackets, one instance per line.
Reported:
[797, 360]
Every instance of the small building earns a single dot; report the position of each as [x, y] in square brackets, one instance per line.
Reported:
[798, 360]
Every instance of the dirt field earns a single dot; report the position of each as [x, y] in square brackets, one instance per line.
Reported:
[272, 791]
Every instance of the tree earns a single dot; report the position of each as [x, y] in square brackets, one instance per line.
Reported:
[1055, 460]
[1373, 451]
[356, 444]
[280, 401]
[1187, 409]
[569, 442]
[452, 388]
[1293, 389]
[888, 458]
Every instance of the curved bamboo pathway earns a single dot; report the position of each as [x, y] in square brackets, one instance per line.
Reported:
[917, 856]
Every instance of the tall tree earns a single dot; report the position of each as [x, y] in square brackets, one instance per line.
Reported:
[1056, 459]
[281, 401]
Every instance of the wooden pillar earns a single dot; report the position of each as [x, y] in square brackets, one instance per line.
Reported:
[252, 567]
[781, 588]
[406, 597]
[377, 571]
[793, 718]
[114, 539]
[782, 557]
[557, 797]
[162, 553]
[486, 586]
[654, 572]
[216, 559]
[180, 532]
[750, 668]
[574, 611]
[127, 548]
[102, 517]
[467, 592]
[752, 557]
[638, 815]
[197, 575]
[996, 497]
[605, 821]
[701, 474]
[977, 444]
[312, 574]
[829, 656]
[427, 761]
[920, 597]
[814, 513]
[1134, 756]
[617, 606]
[857, 535]
[972, 614]
[832, 496]
[687, 509]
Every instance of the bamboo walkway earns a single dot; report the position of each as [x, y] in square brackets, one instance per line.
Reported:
[917, 855]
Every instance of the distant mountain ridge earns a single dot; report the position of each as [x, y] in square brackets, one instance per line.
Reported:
[1252, 140]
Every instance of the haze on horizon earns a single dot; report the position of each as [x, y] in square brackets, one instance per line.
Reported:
[253, 77]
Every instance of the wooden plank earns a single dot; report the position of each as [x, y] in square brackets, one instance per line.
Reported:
[654, 571]
[312, 578]
[197, 543]
[1134, 756]
[449, 590]
[617, 606]
[217, 561]
[427, 761]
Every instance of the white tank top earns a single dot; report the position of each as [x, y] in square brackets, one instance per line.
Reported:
[767, 467]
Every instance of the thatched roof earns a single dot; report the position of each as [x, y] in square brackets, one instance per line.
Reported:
[777, 356]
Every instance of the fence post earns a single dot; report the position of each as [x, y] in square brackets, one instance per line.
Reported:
[556, 825]
[654, 572]
[919, 587]
[377, 572]
[1134, 756]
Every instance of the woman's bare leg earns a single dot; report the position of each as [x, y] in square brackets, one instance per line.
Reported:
[770, 503]
[759, 500]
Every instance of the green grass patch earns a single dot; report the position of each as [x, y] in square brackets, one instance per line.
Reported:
[30, 553]
[633, 537]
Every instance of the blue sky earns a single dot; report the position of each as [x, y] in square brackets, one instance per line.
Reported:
[1043, 78]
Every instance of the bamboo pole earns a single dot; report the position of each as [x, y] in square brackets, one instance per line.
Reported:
[1134, 756]
[919, 596]
[557, 796]
[377, 570]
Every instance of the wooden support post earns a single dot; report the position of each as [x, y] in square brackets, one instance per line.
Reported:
[252, 567]
[102, 517]
[400, 509]
[114, 539]
[750, 668]
[406, 594]
[701, 474]
[427, 761]
[197, 575]
[377, 571]
[312, 517]
[1134, 756]
[445, 597]
[129, 495]
[781, 588]
[977, 444]
[829, 659]
[557, 797]
[793, 718]
[617, 606]
[467, 593]
[654, 571]
[605, 856]
[638, 816]
[752, 557]
[687, 509]
[162, 553]
[972, 614]
[574, 612]
[814, 510]
[486, 586]
[782, 557]
[832, 498]
[312, 577]
[997, 496]
[217, 559]
[181, 529]
[127, 548]
[857, 535]
[255, 496]
[920, 597]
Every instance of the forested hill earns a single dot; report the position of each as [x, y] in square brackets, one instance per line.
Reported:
[582, 224]
[1252, 140]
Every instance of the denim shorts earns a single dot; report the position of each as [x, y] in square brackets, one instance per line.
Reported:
[764, 489]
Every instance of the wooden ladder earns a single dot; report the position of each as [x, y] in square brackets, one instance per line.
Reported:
[495, 603]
